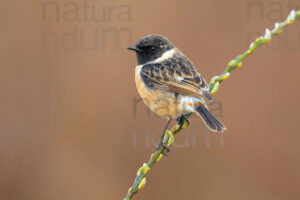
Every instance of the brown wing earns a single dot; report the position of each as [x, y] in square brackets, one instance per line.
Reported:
[176, 75]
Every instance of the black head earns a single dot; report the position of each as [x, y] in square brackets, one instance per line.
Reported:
[150, 48]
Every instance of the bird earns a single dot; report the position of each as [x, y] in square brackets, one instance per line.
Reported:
[169, 83]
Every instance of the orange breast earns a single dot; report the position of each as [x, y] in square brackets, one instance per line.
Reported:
[141, 87]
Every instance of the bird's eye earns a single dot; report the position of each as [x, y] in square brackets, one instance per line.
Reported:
[152, 48]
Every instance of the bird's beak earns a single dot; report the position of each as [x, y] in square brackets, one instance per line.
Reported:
[134, 49]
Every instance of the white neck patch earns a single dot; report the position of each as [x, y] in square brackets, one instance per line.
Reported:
[165, 56]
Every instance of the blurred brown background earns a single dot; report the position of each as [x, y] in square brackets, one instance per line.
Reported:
[70, 128]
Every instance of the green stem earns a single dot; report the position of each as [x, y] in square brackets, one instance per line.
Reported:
[237, 62]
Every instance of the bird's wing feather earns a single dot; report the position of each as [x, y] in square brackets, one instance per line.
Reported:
[176, 75]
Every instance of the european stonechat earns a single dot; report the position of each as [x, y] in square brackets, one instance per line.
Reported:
[168, 82]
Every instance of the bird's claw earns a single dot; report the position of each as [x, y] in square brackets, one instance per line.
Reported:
[183, 119]
[165, 153]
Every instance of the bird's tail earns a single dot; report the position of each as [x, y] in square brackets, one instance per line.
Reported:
[211, 121]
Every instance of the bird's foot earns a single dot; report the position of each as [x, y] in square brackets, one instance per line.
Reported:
[165, 150]
[182, 119]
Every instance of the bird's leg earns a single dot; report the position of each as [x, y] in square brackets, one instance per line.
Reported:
[161, 140]
[182, 119]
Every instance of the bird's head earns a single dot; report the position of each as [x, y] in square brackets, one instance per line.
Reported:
[150, 48]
